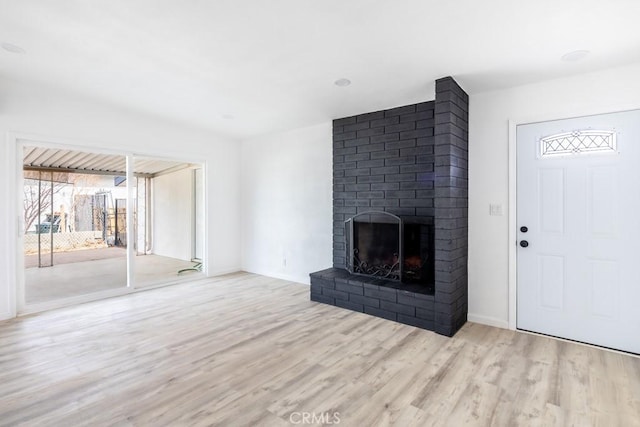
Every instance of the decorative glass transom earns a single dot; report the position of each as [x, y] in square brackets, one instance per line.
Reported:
[578, 142]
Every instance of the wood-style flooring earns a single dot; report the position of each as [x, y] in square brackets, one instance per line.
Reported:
[250, 350]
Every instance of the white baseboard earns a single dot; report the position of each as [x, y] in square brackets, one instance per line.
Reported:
[488, 320]
[302, 280]
[290, 278]
[223, 272]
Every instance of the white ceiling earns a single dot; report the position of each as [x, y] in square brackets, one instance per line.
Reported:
[271, 64]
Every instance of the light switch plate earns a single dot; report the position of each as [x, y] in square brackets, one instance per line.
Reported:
[495, 209]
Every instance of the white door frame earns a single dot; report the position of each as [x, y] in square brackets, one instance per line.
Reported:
[512, 233]
[15, 243]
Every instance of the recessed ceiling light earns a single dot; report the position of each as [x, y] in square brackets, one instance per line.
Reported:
[12, 48]
[342, 82]
[574, 56]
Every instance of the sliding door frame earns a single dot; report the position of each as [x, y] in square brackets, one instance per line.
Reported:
[15, 243]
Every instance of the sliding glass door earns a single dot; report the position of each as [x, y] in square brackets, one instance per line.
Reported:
[75, 233]
[167, 198]
[104, 224]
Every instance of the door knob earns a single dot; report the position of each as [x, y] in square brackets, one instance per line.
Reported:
[524, 229]
[524, 243]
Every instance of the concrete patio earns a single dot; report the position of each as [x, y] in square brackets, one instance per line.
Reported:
[84, 272]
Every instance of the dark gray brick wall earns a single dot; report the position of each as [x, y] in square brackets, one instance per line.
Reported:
[410, 161]
[383, 161]
[451, 205]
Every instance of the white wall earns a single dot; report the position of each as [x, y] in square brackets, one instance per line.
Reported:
[49, 113]
[287, 203]
[600, 92]
[173, 214]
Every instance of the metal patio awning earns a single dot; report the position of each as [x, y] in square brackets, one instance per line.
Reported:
[73, 161]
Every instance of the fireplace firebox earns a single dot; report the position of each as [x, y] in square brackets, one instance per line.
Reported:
[374, 245]
[382, 245]
[418, 254]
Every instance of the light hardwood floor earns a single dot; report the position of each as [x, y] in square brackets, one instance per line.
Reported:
[250, 350]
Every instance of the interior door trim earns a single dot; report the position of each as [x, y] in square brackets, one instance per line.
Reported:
[513, 238]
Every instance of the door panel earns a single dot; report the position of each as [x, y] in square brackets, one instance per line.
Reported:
[604, 288]
[602, 183]
[551, 196]
[551, 281]
[577, 195]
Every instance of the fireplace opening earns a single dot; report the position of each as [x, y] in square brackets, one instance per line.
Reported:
[418, 264]
[382, 245]
[374, 245]
[376, 249]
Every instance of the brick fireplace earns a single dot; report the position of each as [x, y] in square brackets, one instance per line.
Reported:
[410, 162]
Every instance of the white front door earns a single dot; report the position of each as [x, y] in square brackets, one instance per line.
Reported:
[578, 219]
